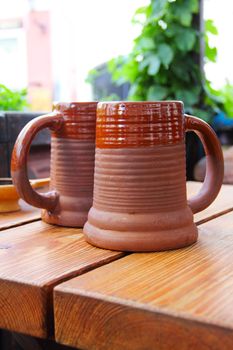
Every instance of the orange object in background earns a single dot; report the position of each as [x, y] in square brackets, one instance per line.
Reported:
[9, 197]
[40, 84]
[25, 54]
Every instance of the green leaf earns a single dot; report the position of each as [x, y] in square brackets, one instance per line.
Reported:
[180, 71]
[129, 71]
[165, 54]
[111, 97]
[185, 39]
[183, 11]
[189, 97]
[154, 65]
[140, 15]
[201, 114]
[227, 96]
[134, 93]
[146, 43]
[158, 8]
[210, 53]
[186, 18]
[172, 30]
[143, 64]
[194, 5]
[141, 10]
[133, 90]
[12, 100]
[111, 65]
[156, 92]
[181, 6]
[210, 27]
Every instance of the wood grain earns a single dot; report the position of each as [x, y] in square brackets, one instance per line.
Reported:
[33, 259]
[25, 215]
[222, 204]
[169, 300]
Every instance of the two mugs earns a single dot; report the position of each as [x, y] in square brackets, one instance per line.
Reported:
[118, 169]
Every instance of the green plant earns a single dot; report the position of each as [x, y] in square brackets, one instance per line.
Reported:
[12, 100]
[226, 94]
[222, 97]
[164, 62]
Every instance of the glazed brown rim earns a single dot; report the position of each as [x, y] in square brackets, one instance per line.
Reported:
[137, 107]
[74, 106]
[142, 102]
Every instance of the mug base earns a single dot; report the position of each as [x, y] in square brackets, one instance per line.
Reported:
[65, 218]
[148, 241]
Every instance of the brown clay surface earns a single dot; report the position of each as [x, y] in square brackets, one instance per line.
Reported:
[72, 163]
[140, 200]
[72, 172]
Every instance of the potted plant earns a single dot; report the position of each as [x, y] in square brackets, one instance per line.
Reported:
[166, 63]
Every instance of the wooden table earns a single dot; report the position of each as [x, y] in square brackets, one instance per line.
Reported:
[53, 285]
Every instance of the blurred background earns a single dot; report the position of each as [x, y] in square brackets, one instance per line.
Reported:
[49, 46]
[74, 50]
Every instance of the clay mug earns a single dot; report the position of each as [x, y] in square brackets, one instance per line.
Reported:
[139, 201]
[70, 197]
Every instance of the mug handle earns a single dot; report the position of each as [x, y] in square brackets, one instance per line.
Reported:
[214, 163]
[47, 200]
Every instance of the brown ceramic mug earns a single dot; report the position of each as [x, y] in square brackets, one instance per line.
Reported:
[72, 128]
[140, 201]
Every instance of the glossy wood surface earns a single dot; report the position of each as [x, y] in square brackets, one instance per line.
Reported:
[169, 300]
[25, 215]
[33, 259]
[36, 257]
[222, 204]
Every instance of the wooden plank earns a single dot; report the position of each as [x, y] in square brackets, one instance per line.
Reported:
[33, 259]
[169, 300]
[222, 204]
[25, 215]
[21, 285]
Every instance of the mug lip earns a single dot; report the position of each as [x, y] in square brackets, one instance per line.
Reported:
[179, 102]
[73, 105]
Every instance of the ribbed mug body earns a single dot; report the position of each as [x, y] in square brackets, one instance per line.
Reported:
[72, 164]
[139, 201]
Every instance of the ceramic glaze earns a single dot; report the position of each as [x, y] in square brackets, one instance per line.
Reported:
[122, 125]
[72, 163]
[140, 201]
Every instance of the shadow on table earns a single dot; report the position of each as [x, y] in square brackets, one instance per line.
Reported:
[17, 341]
